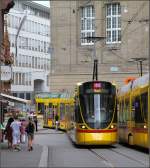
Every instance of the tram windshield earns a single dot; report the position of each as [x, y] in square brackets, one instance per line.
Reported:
[97, 109]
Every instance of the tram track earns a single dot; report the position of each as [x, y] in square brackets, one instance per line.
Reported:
[107, 160]
[129, 157]
[100, 156]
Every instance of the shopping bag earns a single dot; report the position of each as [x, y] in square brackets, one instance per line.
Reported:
[23, 138]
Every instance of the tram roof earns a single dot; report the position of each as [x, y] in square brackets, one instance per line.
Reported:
[141, 81]
[52, 95]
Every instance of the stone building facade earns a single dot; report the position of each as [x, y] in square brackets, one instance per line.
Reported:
[6, 58]
[123, 23]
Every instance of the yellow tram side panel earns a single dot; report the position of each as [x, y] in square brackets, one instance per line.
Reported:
[40, 116]
[50, 122]
[127, 129]
[100, 138]
[56, 105]
[124, 131]
[64, 123]
[140, 138]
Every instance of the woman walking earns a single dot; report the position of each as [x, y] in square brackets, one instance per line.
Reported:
[8, 132]
[16, 125]
[30, 132]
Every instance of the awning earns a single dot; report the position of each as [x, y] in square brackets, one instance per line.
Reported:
[15, 98]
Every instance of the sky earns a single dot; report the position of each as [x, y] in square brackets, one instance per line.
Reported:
[44, 2]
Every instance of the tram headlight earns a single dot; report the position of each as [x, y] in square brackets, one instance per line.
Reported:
[112, 126]
[145, 126]
[83, 126]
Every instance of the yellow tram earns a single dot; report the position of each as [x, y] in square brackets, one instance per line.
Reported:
[134, 105]
[66, 106]
[94, 118]
[50, 104]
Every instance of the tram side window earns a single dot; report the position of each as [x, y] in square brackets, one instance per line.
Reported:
[112, 107]
[40, 107]
[144, 99]
[67, 110]
[115, 116]
[120, 112]
[77, 111]
[62, 111]
[123, 113]
[133, 111]
[72, 113]
[127, 111]
[50, 112]
[139, 118]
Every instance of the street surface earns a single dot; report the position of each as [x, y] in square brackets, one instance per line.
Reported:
[54, 149]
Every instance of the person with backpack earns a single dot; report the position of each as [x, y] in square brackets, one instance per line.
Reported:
[30, 133]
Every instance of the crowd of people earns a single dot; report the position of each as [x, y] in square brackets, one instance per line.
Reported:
[17, 130]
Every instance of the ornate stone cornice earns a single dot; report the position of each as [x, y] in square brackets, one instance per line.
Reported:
[6, 56]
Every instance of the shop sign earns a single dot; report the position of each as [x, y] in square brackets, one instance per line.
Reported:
[11, 103]
[6, 72]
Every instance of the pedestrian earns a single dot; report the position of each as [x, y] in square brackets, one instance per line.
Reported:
[56, 121]
[23, 132]
[16, 126]
[36, 122]
[30, 133]
[8, 132]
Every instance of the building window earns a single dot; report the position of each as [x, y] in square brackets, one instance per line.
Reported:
[87, 24]
[48, 80]
[15, 94]
[21, 95]
[113, 23]
[28, 96]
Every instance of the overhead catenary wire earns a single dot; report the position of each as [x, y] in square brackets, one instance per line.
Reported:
[129, 22]
[133, 18]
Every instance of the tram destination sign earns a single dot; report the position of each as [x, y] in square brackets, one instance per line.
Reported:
[96, 91]
[97, 87]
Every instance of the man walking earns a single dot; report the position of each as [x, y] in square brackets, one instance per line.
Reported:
[56, 121]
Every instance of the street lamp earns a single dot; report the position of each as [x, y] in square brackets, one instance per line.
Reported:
[95, 67]
[18, 31]
[140, 61]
